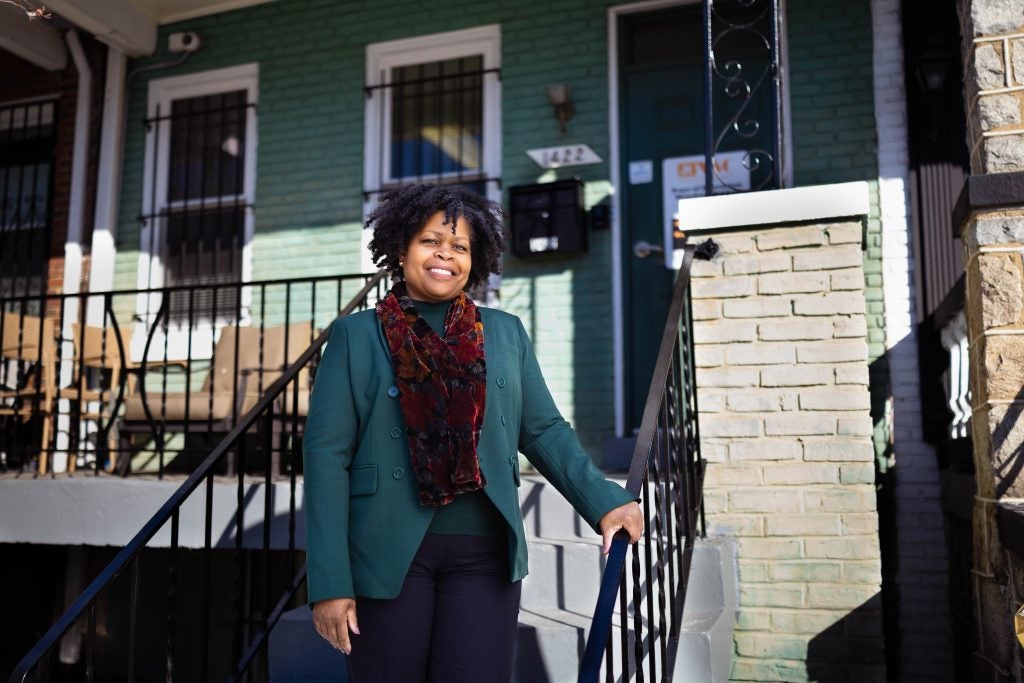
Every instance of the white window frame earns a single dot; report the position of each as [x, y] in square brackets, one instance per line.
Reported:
[436, 47]
[151, 272]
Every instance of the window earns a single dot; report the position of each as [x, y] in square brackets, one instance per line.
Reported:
[26, 164]
[197, 209]
[433, 111]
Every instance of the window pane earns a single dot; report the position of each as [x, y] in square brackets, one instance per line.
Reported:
[204, 248]
[207, 146]
[437, 118]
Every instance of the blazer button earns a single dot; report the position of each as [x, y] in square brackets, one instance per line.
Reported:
[501, 382]
[393, 391]
[395, 432]
[398, 473]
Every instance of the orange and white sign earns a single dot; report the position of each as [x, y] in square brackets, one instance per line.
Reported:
[684, 177]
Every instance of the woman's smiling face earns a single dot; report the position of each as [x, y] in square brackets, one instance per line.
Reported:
[436, 263]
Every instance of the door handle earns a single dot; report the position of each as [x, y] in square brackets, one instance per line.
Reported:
[643, 249]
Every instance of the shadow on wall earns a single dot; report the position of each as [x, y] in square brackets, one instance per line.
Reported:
[832, 654]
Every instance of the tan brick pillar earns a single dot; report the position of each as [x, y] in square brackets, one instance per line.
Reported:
[990, 214]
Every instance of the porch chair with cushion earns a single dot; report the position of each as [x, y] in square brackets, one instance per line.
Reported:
[222, 400]
[28, 380]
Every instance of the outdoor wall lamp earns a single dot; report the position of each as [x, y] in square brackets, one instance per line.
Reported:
[930, 69]
[558, 96]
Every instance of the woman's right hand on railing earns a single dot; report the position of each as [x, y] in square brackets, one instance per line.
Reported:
[334, 619]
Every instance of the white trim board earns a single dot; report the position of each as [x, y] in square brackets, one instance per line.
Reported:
[698, 214]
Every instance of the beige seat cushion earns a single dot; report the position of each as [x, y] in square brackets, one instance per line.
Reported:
[171, 407]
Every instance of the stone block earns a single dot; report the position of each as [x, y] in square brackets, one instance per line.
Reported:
[735, 525]
[1006, 448]
[761, 307]
[998, 111]
[835, 399]
[785, 238]
[805, 620]
[845, 233]
[987, 230]
[798, 376]
[764, 670]
[762, 499]
[755, 402]
[771, 645]
[720, 331]
[727, 377]
[729, 426]
[840, 596]
[839, 450]
[847, 256]
[792, 283]
[770, 548]
[1004, 366]
[867, 571]
[1017, 60]
[757, 263]
[800, 475]
[832, 352]
[992, 17]
[773, 595]
[765, 449]
[753, 619]
[1003, 154]
[816, 524]
[835, 303]
[706, 269]
[706, 310]
[712, 403]
[855, 326]
[799, 424]
[794, 329]
[1001, 289]
[722, 287]
[860, 425]
[709, 356]
[846, 280]
[852, 373]
[847, 548]
[988, 67]
[734, 244]
[724, 475]
[857, 474]
[760, 353]
[859, 523]
[847, 499]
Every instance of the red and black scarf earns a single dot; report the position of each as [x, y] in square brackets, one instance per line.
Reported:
[442, 385]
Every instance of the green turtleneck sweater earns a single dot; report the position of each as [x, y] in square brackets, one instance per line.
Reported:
[471, 514]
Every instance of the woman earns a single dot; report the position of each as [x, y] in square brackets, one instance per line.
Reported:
[411, 467]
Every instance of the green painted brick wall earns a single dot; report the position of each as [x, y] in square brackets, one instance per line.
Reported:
[310, 130]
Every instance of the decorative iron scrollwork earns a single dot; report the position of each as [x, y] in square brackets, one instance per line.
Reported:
[742, 92]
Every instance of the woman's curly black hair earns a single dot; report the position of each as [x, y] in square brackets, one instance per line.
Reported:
[404, 211]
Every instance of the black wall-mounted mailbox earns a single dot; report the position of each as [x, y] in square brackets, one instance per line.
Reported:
[548, 218]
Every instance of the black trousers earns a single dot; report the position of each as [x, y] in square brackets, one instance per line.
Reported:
[455, 620]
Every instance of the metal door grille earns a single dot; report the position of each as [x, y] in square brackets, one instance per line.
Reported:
[27, 133]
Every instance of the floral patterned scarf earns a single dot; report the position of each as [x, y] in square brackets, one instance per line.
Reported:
[442, 386]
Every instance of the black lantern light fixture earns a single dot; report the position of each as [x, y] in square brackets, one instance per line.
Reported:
[931, 68]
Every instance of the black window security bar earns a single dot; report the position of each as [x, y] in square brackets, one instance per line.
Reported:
[114, 383]
[27, 133]
[667, 473]
[203, 633]
[742, 85]
[431, 125]
[198, 207]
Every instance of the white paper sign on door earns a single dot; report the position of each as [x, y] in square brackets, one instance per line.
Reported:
[684, 177]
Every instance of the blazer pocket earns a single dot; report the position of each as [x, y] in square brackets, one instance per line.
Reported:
[362, 480]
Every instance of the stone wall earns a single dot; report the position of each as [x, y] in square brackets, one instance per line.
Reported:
[990, 214]
[783, 376]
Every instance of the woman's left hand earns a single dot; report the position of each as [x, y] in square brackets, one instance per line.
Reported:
[626, 517]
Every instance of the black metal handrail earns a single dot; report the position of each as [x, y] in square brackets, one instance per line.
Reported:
[272, 407]
[667, 466]
[73, 382]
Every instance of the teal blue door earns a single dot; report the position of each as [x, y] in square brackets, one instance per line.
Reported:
[661, 114]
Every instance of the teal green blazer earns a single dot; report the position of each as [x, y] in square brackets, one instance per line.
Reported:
[364, 521]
